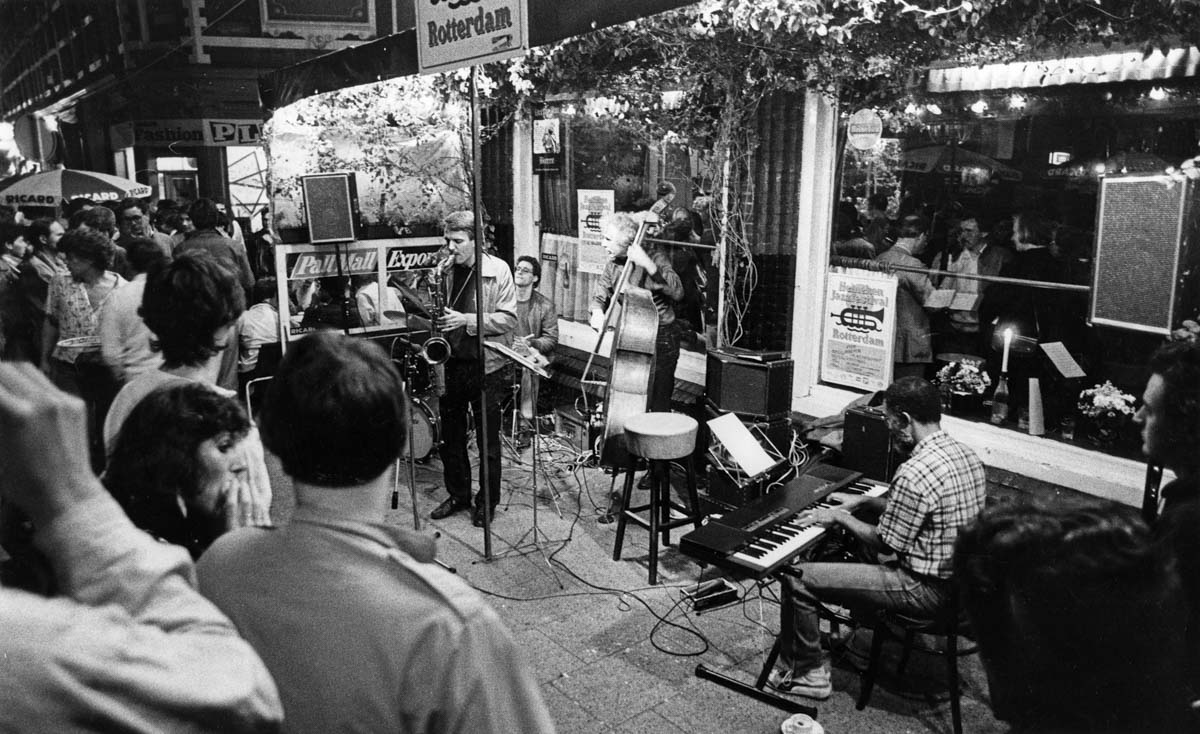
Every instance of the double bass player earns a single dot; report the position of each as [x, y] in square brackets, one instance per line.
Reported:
[651, 270]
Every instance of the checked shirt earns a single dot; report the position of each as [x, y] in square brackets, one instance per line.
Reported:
[937, 491]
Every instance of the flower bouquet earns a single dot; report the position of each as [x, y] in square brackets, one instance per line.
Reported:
[963, 384]
[1109, 411]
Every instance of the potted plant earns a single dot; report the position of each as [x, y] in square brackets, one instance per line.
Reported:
[1108, 410]
[962, 385]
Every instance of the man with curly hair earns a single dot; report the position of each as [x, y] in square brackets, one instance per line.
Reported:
[1170, 421]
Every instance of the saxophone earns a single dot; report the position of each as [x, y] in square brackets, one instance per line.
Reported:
[436, 349]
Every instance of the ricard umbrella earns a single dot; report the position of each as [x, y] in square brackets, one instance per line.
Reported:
[50, 188]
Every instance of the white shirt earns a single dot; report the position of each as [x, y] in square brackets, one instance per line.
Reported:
[259, 325]
[124, 337]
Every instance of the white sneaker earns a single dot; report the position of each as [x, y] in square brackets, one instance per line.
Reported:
[816, 683]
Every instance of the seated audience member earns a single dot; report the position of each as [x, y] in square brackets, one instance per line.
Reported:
[366, 299]
[1079, 618]
[259, 325]
[360, 628]
[176, 468]
[1170, 421]
[190, 305]
[128, 644]
[124, 337]
[937, 491]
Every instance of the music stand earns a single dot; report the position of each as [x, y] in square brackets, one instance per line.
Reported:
[536, 371]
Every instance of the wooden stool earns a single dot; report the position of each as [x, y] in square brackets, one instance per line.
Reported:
[659, 438]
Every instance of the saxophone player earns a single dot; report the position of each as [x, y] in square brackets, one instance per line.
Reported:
[467, 371]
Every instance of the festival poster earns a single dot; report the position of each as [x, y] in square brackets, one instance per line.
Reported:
[859, 328]
[593, 205]
[547, 146]
[369, 292]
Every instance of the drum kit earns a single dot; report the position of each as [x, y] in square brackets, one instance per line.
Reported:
[421, 368]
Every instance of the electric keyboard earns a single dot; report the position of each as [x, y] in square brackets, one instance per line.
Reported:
[767, 533]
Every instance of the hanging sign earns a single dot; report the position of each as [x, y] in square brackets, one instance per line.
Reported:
[864, 129]
[593, 205]
[456, 33]
[547, 146]
[858, 329]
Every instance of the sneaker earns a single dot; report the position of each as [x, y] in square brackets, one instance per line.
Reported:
[816, 683]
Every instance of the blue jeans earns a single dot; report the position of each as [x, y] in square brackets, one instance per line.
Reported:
[859, 586]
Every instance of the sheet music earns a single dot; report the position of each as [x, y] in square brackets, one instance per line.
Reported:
[518, 358]
[965, 301]
[1062, 359]
[940, 298]
[741, 445]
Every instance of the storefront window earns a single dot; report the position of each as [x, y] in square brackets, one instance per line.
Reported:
[1001, 227]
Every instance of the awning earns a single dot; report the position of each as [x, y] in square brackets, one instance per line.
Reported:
[396, 55]
[1124, 66]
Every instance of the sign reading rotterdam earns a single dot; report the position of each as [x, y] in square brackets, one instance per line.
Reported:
[456, 33]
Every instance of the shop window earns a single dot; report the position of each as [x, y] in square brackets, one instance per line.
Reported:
[1031, 217]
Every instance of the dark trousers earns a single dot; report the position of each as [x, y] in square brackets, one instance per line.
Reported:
[463, 382]
[662, 378]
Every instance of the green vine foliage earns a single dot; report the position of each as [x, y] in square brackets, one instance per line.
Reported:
[404, 138]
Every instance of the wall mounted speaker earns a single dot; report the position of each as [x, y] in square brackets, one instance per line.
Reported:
[331, 202]
[756, 389]
[1144, 271]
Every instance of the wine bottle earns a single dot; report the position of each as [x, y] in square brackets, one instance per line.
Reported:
[1000, 400]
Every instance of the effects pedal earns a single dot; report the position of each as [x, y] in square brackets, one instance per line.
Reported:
[711, 594]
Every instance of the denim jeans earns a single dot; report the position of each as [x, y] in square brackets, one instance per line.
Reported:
[859, 586]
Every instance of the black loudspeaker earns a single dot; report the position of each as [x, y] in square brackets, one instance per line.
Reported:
[1143, 276]
[331, 201]
[867, 444]
[761, 390]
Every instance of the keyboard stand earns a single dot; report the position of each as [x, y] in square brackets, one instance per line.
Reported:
[758, 691]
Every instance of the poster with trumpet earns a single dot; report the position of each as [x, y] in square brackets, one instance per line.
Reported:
[369, 287]
[858, 329]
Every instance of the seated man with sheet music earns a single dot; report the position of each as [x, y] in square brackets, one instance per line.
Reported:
[935, 493]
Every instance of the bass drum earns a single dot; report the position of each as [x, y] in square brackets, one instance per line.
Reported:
[424, 431]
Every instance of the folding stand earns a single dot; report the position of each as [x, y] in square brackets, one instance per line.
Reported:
[535, 532]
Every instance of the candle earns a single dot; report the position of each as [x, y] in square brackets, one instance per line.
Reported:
[1007, 342]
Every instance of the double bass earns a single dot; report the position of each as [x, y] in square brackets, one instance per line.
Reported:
[626, 392]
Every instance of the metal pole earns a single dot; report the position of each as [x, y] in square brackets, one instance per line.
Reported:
[481, 420]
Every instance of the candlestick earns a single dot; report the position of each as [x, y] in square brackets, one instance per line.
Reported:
[1007, 343]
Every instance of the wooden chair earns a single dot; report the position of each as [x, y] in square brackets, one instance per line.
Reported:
[949, 625]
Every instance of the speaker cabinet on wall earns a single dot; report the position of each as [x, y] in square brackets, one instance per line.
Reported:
[331, 202]
[760, 390]
[1144, 272]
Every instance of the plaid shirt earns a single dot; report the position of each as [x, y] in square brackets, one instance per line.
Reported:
[937, 491]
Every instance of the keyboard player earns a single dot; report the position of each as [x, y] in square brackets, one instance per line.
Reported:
[937, 491]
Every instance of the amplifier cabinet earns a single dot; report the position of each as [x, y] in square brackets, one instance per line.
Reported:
[1144, 276]
[762, 390]
[867, 444]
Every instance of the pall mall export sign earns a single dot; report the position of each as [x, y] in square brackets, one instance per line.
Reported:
[456, 33]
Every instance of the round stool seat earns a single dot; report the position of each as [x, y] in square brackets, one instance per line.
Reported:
[661, 435]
